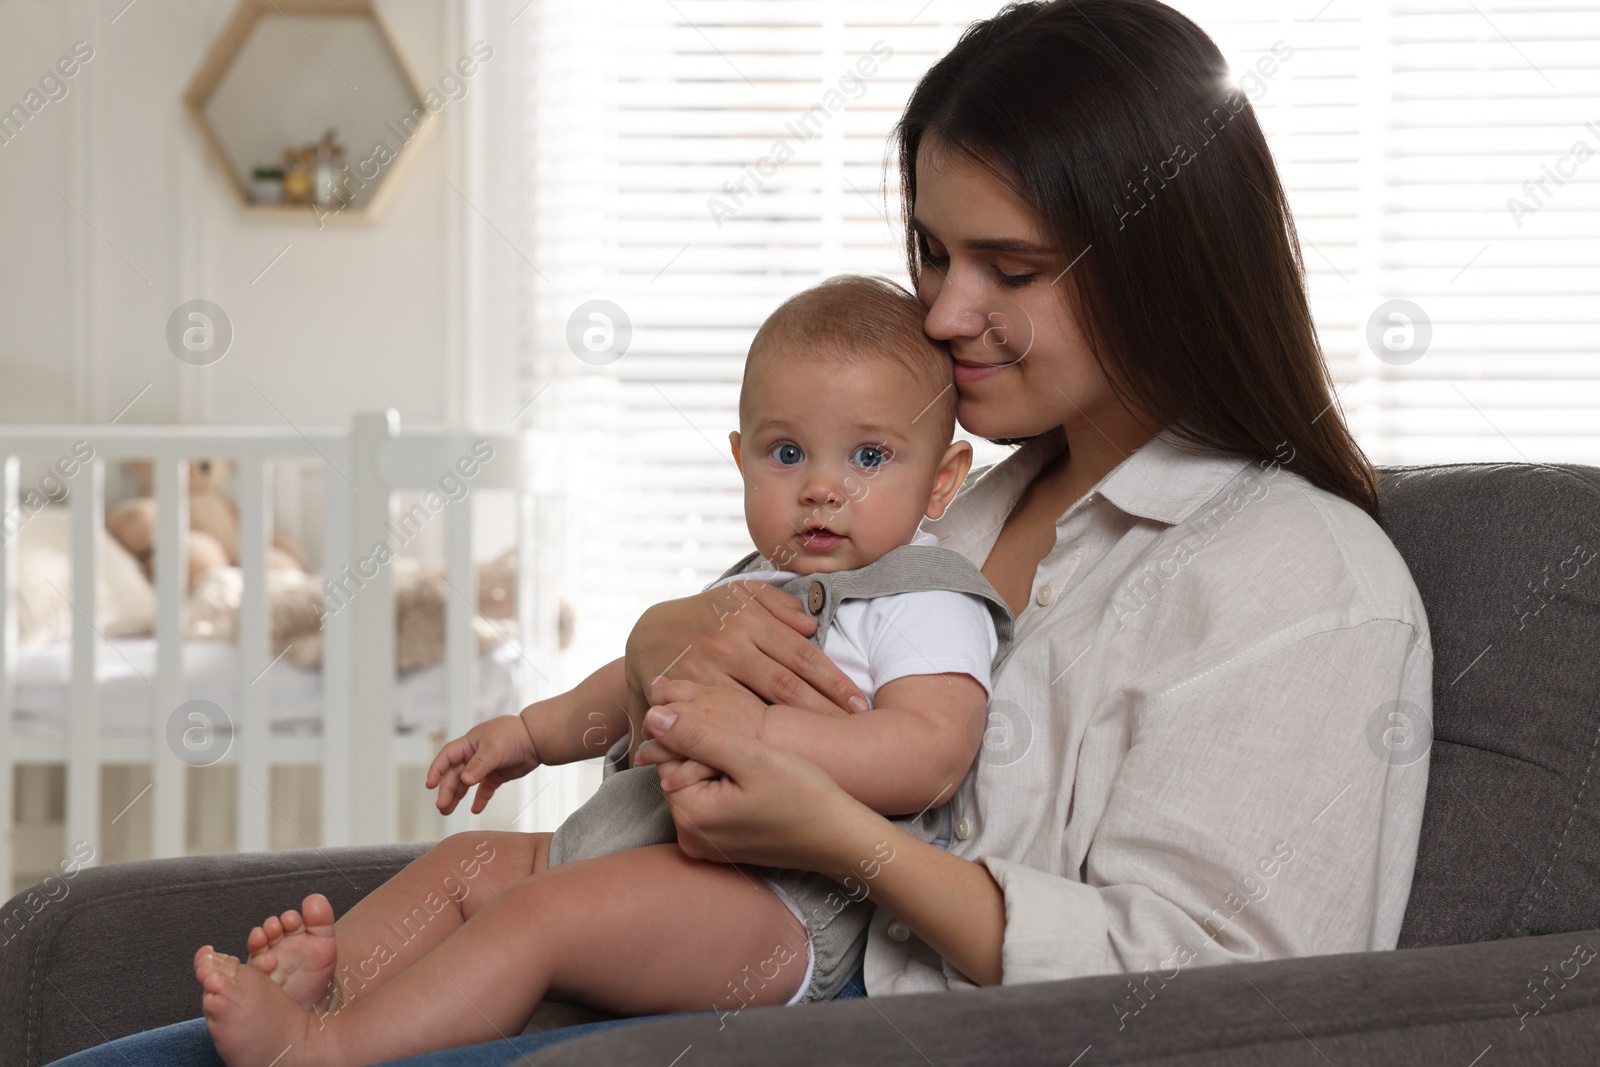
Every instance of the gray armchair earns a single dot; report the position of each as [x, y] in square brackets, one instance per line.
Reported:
[1497, 961]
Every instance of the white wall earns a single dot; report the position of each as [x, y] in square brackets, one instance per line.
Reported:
[353, 316]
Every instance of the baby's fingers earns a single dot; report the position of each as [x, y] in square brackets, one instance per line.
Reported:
[685, 773]
[483, 763]
[480, 799]
[453, 753]
[450, 790]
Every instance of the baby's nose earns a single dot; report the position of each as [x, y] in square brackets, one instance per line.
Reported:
[823, 490]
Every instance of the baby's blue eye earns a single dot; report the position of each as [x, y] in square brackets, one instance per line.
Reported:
[870, 456]
[788, 454]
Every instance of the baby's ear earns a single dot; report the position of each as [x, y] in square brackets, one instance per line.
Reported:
[733, 442]
[952, 472]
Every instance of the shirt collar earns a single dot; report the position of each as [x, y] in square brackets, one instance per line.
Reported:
[1165, 479]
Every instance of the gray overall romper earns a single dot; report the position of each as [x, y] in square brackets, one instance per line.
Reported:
[630, 811]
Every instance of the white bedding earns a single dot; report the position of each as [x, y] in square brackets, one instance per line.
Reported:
[127, 671]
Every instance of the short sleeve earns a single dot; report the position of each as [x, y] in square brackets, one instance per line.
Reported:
[1259, 814]
[935, 631]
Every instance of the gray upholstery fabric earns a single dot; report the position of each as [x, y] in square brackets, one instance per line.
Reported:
[114, 956]
[1511, 832]
[1423, 1006]
[1510, 848]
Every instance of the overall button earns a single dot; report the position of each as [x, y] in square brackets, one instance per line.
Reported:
[1046, 594]
[963, 829]
[898, 931]
[815, 598]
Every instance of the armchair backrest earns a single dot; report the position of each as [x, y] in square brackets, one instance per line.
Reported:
[1507, 559]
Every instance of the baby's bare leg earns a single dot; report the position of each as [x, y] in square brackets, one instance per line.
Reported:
[640, 932]
[396, 924]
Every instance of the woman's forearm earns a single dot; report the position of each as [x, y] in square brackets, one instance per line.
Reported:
[953, 904]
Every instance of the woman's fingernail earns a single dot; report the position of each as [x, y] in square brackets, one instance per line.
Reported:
[661, 718]
[858, 704]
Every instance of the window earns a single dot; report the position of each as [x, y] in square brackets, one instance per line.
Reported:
[694, 162]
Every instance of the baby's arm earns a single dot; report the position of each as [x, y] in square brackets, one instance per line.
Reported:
[909, 752]
[584, 721]
[906, 754]
[571, 726]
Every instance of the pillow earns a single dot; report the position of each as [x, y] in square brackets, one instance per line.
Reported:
[127, 601]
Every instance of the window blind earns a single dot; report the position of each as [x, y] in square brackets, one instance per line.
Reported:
[695, 162]
[1441, 159]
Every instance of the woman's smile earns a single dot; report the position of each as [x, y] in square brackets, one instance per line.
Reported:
[967, 373]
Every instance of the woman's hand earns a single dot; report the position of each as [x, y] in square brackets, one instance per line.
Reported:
[735, 710]
[774, 808]
[770, 807]
[744, 635]
[489, 755]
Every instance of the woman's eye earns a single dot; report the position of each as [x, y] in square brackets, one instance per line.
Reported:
[927, 252]
[870, 456]
[1013, 281]
[788, 454]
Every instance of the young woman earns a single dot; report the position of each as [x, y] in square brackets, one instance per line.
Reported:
[1188, 760]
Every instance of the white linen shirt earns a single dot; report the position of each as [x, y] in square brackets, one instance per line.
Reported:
[1210, 742]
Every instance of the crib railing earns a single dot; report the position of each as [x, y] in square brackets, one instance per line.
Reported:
[363, 467]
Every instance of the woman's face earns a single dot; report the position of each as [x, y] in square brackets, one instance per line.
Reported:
[994, 291]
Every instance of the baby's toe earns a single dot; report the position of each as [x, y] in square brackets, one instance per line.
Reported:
[215, 970]
[318, 911]
[272, 928]
[291, 921]
[265, 962]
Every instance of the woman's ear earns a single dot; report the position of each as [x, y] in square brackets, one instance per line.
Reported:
[733, 442]
[952, 472]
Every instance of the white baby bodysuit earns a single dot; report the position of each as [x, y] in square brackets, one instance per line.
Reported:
[934, 631]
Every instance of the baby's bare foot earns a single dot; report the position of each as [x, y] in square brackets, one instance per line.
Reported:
[252, 1022]
[297, 951]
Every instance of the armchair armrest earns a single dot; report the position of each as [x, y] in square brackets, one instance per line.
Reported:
[1427, 1005]
[107, 952]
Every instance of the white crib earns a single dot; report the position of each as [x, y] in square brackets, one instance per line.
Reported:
[357, 748]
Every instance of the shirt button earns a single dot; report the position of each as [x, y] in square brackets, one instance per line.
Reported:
[898, 931]
[963, 829]
[1046, 594]
[816, 598]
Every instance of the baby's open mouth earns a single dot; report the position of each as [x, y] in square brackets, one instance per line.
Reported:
[820, 537]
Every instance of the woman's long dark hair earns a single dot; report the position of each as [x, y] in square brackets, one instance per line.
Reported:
[1115, 120]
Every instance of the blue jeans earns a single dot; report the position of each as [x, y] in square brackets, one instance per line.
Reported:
[188, 1044]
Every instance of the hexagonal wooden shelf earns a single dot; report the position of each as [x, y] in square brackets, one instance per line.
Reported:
[284, 72]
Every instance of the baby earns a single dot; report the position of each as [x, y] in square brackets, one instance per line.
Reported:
[846, 415]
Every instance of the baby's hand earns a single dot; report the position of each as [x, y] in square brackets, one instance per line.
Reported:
[673, 770]
[488, 755]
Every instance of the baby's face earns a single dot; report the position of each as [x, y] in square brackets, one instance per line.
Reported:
[838, 470]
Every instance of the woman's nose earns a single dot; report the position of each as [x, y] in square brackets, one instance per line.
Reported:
[952, 313]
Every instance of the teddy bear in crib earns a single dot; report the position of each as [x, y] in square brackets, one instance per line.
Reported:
[213, 523]
[295, 599]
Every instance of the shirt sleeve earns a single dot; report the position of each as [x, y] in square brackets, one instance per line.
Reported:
[1265, 809]
[933, 631]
